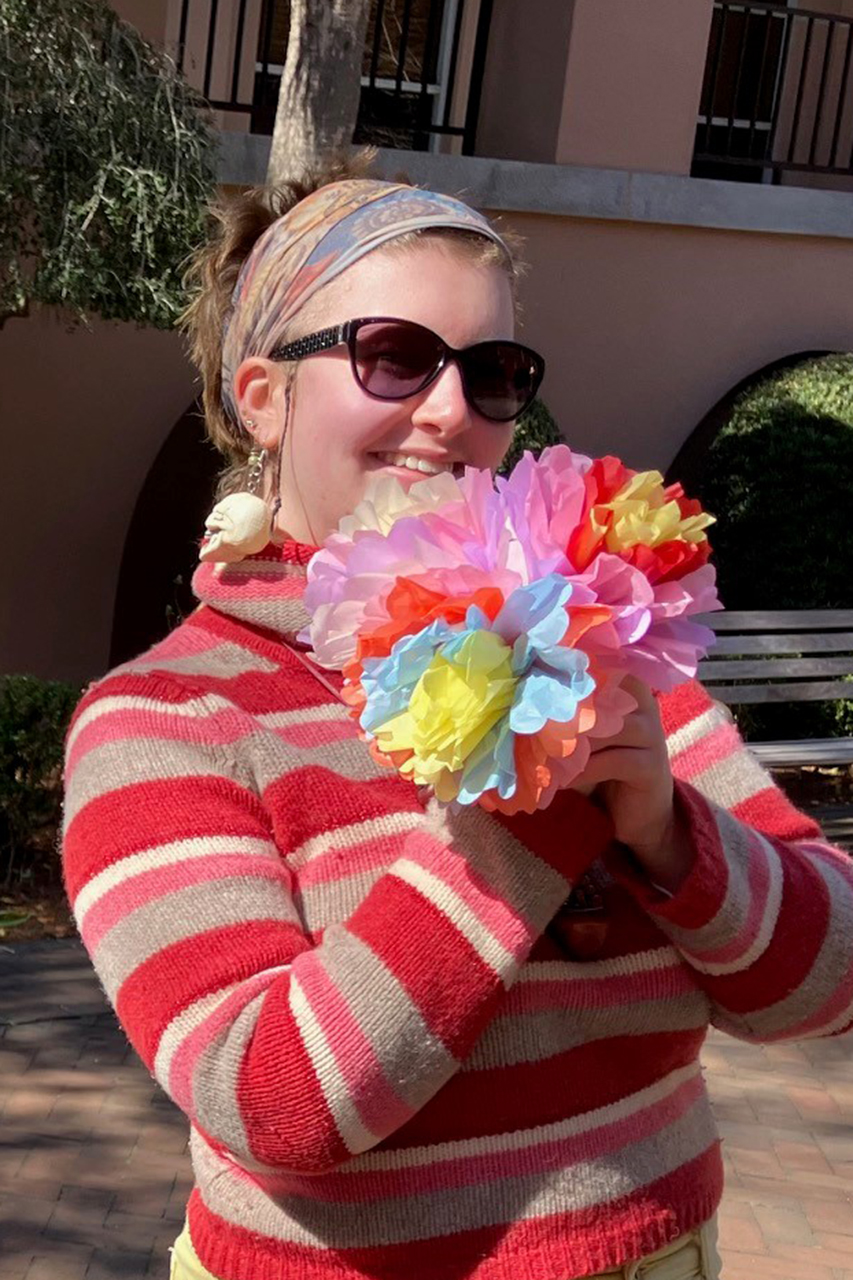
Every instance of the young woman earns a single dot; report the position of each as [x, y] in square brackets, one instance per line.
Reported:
[399, 1051]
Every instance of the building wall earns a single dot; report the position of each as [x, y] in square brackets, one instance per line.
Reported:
[525, 80]
[605, 83]
[84, 413]
[632, 84]
[645, 327]
[148, 16]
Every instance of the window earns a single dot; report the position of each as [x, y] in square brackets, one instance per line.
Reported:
[407, 70]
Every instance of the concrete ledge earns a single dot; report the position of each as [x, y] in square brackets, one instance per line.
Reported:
[513, 186]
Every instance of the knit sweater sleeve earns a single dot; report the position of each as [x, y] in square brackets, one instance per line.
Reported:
[765, 917]
[285, 1051]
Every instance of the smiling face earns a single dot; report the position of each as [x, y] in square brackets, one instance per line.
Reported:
[339, 435]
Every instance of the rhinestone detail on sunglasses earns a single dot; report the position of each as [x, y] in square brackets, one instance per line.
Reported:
[322, 341]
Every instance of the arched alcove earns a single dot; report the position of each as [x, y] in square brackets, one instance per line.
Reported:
[161, 547]
[687, 463]
[773, 463]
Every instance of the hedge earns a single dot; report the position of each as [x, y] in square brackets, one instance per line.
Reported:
[34, 716]
[779, 478]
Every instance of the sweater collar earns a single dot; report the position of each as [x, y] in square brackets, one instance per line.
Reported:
[264, 590]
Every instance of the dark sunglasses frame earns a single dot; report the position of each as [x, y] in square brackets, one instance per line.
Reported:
[326, 339]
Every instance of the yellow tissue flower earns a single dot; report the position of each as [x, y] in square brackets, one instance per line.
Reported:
[640, 514]
[456, 702]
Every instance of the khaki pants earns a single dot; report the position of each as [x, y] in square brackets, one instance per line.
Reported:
[691, 1257]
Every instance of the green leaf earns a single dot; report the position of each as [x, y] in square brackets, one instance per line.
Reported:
[107, 163]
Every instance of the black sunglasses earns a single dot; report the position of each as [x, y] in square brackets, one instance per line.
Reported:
[394, 359]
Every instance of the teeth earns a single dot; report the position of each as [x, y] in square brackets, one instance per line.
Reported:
[416, 464]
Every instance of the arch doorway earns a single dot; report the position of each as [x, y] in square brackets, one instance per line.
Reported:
[161, 547]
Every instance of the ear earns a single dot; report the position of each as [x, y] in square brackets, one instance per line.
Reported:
[259, 394]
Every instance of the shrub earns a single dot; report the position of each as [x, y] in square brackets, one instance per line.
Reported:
[34, 716]
[536, 429]
[779, 478]
[107, 160]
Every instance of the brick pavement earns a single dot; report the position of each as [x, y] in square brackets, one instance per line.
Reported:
[94, 1173]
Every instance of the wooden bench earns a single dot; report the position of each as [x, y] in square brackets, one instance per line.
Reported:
[752, 646]
[757, 646]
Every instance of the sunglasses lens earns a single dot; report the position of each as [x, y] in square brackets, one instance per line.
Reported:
[394, 360]
[501, 378]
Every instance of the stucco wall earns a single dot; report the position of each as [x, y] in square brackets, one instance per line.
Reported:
[645, 327]
[148, 16]
[84, 414]
[632, 84]
[524, 80]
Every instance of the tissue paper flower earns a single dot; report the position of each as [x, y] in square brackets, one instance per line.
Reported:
[633, 516]
[640, 546]
[485, 628]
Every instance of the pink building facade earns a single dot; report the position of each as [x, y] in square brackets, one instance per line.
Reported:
[652, 289]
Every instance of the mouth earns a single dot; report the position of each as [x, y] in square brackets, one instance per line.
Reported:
[414, 465]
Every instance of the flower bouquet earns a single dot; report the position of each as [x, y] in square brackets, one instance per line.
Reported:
[485, 627]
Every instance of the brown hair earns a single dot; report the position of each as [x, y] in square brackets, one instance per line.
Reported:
[237, 220]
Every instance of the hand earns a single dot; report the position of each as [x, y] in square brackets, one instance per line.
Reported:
[630, 775]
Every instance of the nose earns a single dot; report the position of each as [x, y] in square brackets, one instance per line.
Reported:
[442, 407]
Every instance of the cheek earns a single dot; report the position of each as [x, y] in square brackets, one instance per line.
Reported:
[488, 443]
[336, 418]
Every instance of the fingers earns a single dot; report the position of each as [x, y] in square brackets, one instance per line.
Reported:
[632, 734]
[631, 765]
[641, 729]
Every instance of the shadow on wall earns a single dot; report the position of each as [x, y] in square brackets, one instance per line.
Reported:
[688, 464]
[161, 548]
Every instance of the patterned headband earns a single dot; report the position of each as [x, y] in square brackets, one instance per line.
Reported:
[312, 244]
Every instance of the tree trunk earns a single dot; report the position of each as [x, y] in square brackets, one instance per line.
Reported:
[320, 85]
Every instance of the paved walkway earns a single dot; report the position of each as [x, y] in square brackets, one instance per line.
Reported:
[94, 1173]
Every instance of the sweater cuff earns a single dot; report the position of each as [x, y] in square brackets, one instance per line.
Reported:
[569, 835]
[699, 897]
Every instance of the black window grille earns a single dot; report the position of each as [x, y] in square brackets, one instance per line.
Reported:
[777, 94]
[410, 90]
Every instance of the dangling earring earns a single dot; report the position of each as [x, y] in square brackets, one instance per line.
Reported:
[240, 524]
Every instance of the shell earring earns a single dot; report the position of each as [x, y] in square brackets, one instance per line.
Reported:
[239, 524]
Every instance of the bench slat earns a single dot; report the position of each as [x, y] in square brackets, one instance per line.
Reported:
[774, 668]
[778, 620]
[828, 628]
[833, 642]
[808, 691]
[809, 751]
[836, 822]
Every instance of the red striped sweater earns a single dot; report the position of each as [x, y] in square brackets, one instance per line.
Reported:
[389, 1067]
